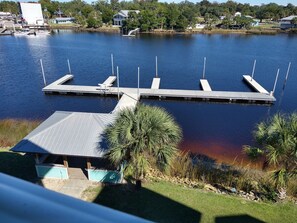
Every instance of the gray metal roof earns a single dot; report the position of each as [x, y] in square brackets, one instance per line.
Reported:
[289, 18]
[68, 133]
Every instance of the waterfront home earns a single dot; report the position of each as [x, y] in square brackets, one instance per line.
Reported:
[121, 16]
[287, 22]
[71, 145]
[64, 20]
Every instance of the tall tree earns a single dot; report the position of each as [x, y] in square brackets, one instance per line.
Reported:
[145, 137]
[277, 139]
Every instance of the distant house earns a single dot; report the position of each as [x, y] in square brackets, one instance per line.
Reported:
[121, 16]
[237, 14]
[287, 22]
[64, 20]
[71, 144]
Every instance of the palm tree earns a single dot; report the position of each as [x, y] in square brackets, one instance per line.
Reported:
[278, 143]
[147, 136]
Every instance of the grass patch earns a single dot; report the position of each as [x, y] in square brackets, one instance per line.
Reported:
[17, 165]
[167, 202]
[14, 130]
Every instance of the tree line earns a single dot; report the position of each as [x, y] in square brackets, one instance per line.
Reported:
[157, 15]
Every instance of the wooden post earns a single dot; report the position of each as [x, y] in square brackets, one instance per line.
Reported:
[138, 95]
[69, 68]
[43, 75]
[253, 72]
[112, 68]
[204, 64]
[65, 161]
[89, 165]
[118, 82]
[156, 66]
[37, 158]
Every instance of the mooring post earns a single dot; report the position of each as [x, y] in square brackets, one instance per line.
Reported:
[203, 76]
[112, 68]
[138, 94]
[42, 70]
[69, 68]
[156, 66]
[118, 82]
[287, 75]
[272, 92]
[254, 70]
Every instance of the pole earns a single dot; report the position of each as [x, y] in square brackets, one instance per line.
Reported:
[41, 64]
[118, 82]
[203, 76]
[254, 69]
[138, 84]
[156, 66]
[287, 75]
[112, 68]
[275, 82]
[69, 68]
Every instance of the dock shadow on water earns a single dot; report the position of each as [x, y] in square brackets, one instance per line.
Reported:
[146, 204]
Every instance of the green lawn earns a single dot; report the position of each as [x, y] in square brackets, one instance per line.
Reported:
[166, 202]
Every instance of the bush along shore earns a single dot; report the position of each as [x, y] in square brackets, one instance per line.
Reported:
[189, 170]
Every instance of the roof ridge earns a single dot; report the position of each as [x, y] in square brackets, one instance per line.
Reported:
[50, 127]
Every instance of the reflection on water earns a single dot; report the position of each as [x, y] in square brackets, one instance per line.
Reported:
[219, 130]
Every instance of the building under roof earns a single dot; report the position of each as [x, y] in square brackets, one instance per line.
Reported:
[68, 138]
[68, 133]
[287, 22]
[32, 13]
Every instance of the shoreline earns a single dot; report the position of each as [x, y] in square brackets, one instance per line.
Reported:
[258, 31]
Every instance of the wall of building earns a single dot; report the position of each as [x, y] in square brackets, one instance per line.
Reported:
[52, 171]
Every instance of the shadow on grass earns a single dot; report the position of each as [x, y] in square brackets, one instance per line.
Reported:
[146, 204]
[239, 218]
[18, 165]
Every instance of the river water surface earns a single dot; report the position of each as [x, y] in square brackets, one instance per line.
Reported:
[214, 129]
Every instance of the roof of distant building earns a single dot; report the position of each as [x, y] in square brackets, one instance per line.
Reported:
[65, 19]
[68, 133]
[289, 18]
[125, 13]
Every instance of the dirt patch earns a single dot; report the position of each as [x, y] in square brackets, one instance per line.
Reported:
[53, 184]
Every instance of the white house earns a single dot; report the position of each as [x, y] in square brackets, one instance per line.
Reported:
[64, 20]
[287, 22]
[237, 14]
[32, 13]
[121, 16]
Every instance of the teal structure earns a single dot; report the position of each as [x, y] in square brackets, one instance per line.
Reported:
[105, 176]
[52, 171]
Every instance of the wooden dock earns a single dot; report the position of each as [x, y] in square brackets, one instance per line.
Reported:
[220, 96]
[205, 85]
[108, 82]
[156, 83]
[126, 101]
[254, 84]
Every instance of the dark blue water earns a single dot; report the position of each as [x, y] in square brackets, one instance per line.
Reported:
[218, 130]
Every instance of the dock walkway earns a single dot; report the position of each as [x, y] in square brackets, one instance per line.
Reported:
[108, 82]
[205, 85]
[126, 101]
[222, 96]
[156, 83]
[254, 84]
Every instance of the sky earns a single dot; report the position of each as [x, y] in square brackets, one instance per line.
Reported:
[251, 2]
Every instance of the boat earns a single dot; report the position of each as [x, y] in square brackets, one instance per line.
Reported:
[130, 34]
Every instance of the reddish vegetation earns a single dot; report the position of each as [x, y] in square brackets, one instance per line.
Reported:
[222, 152]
